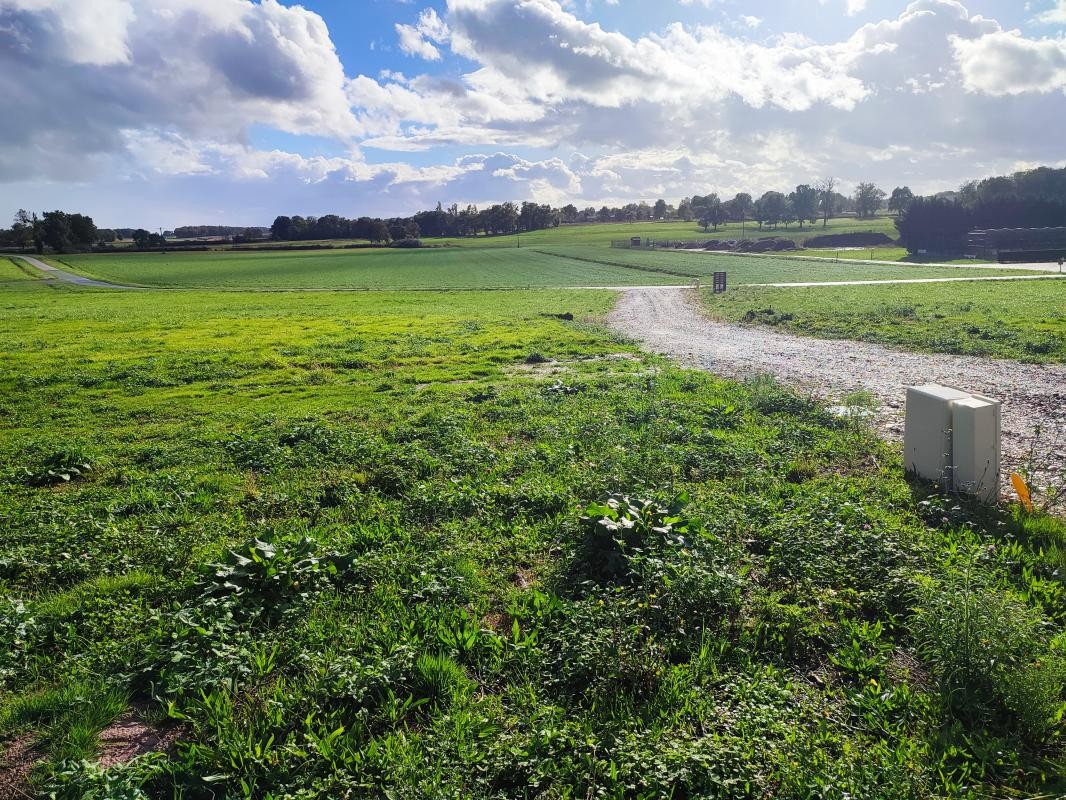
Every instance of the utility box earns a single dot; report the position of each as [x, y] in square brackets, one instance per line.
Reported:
[976, 447]
[953, 436]
[927, 439]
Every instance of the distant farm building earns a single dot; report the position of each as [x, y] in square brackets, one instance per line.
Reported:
[1018, 244]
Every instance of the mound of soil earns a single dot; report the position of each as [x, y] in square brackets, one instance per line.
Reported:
[769, 244]
[849, 240]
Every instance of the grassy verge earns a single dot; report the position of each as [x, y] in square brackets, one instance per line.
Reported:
[359, 544]
[893, 254]
[436, 268]
[1021, 320]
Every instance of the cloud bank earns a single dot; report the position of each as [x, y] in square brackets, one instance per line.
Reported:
[536, 102]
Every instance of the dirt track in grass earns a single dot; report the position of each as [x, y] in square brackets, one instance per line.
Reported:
[667, 321]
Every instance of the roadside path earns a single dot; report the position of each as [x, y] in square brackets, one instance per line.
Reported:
[892, 281]
[69, 277]
[1041, 266]
[1033, 395]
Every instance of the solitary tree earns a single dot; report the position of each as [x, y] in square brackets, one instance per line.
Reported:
[826, 187]
[902, 196]
[804, 203]
[711, 212]
[770, 208]
[868, 200]
[24, 228]
[659, 210]
[742, 206]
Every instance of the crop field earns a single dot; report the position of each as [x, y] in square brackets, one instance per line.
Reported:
[462, 545]
[467, 268]
[1023, 320]
[604, 233]
[360, 269]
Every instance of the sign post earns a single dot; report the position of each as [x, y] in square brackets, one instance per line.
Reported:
[719, 282]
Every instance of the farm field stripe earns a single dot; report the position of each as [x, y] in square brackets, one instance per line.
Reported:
[622, 265]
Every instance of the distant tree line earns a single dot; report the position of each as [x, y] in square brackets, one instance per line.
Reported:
[1034, 198]
[57, 230]
[219, 232]
[940, 224]
[503, 218]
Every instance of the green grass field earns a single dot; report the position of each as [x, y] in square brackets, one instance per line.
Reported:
[355, 545]
[604, 233]
[743, 269]
[13, 271]
[1023, 320]
[465, 268]
[360, 269]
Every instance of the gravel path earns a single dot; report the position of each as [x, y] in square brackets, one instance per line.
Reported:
[667, 321]
[1032, 266]
[69, 277]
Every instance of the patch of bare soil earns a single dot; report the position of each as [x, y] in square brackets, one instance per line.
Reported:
[131, 735]
[16, 763]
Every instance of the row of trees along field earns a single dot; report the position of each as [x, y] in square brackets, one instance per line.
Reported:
[502, 218]
[64, 232]
[1035, 198]
[805, 203]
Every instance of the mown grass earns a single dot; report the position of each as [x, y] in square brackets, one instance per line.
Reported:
[1023, 320]
[465, 268]
[453, 545]
[12, 271]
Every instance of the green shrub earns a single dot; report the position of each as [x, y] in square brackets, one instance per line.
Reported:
[439, 679]
[992, 658]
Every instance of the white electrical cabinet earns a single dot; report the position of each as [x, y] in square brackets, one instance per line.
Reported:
[975, 446]
[953, 436]
[927, 436]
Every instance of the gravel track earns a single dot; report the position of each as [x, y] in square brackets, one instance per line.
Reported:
[667, 321]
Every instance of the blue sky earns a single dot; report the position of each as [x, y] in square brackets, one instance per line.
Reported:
[159, 113]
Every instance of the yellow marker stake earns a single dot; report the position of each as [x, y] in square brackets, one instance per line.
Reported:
[1023, 491]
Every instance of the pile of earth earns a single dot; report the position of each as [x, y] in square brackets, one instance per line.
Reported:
[850, 240]
[767, 244]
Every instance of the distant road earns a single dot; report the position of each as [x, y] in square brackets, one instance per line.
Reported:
[890, 281]
[1042, 266]
[70, 277]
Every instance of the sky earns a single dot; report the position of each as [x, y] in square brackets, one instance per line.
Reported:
[160, 113]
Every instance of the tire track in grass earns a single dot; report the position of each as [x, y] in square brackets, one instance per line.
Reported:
[609, 263]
